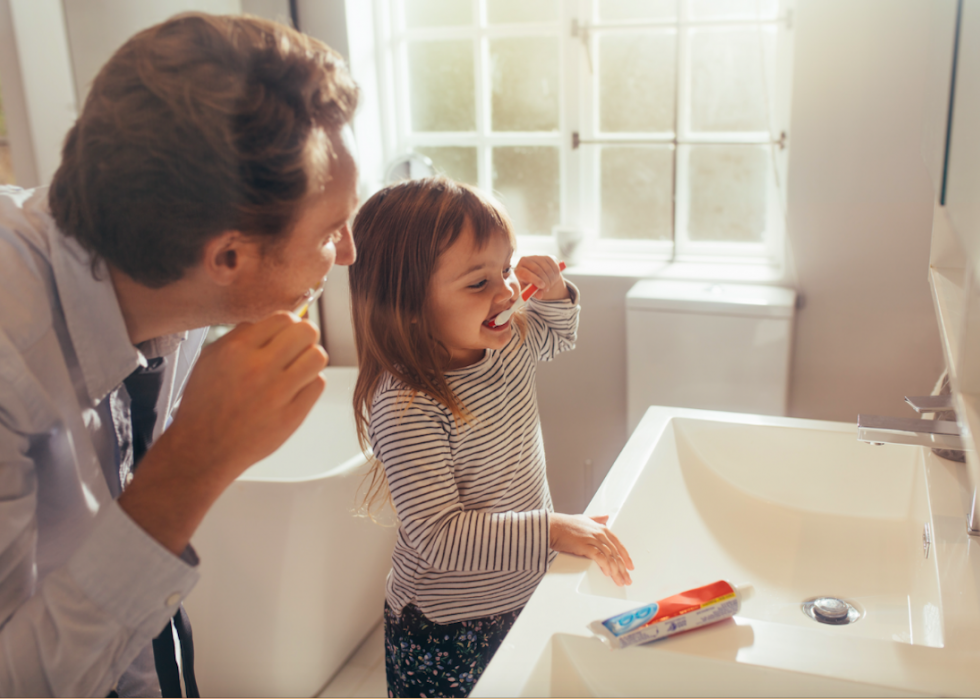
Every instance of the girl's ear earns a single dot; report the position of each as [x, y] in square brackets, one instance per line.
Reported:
[229, 255]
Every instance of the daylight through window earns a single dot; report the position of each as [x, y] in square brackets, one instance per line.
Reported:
[657, 126]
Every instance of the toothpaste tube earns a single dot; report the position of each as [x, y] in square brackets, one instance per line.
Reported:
[688, 610]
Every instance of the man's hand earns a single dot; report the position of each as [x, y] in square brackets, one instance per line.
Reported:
[591, 538]
[248, 393]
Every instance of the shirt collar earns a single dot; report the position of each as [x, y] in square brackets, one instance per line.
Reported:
[95, 321]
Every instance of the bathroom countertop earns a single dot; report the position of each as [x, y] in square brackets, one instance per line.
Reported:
[551, 652]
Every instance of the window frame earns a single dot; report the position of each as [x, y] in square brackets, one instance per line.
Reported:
[580, 167]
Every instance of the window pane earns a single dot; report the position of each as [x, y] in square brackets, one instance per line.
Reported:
[456, 163]
[510, 11]
[617, 10]
[525, 84]
[636, 81]
[526, 179]
[733, 9]
[441, 80]
[727, 84]
[437, 13]
[728, 192]
[637, 193]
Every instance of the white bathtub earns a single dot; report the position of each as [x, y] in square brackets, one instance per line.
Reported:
[291, 581]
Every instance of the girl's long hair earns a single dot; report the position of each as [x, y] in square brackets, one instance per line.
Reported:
[400, 232]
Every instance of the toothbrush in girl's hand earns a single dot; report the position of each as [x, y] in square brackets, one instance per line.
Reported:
[504, 316]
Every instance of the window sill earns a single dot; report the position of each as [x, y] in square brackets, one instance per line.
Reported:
[746, 273]
[644, 266]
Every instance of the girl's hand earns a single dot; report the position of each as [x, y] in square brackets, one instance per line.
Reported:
[590, 537]
[543, 272]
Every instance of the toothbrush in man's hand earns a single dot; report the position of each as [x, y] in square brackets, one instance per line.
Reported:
[504, 316]
[310, 298]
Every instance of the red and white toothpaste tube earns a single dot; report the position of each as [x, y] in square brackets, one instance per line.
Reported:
[683, 612]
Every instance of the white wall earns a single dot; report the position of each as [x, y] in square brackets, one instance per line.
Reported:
[582, 395]
[860, 209]
[50, 51]
[96, 28]
[39, 96]
[14, 108]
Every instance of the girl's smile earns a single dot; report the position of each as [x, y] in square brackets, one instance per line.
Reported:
[495, 328]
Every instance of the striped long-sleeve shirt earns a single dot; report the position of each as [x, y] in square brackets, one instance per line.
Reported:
[472, 499]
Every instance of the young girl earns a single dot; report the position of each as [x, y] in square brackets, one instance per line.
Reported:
[447, 401]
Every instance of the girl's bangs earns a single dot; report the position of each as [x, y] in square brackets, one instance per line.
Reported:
[486, 216]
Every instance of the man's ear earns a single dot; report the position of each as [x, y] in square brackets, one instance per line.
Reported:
[228, 255]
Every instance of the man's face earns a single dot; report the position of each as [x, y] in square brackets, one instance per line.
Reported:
[320, 239]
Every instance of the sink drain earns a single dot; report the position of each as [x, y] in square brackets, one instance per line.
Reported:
[831, 610]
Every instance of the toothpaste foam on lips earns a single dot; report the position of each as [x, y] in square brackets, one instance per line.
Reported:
[682, 612]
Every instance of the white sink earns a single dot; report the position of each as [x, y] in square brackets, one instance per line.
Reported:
[797, 508]
[798, 513]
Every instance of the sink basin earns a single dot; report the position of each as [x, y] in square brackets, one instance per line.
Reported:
[797, 508]
[796, 513]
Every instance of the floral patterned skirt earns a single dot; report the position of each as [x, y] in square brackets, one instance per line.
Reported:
[426, 659]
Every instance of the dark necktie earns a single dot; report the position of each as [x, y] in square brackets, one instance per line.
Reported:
[143, 386]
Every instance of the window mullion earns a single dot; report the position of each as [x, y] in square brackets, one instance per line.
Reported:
[567, 120]
[483, 85]
[403, 121]
[590, 178]
[575, 194]
[775, 232]
[682, 111]
[388, 79]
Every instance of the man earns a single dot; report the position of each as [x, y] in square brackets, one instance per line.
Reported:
[206, 181]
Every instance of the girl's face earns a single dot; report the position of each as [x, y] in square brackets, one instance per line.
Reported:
[468, 288]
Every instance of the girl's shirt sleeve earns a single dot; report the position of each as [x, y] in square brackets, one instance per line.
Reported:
[413, 442]
[552, 326]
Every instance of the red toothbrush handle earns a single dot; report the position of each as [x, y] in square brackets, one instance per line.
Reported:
[529, 291]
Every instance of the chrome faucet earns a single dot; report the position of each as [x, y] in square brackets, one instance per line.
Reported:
[935, 434]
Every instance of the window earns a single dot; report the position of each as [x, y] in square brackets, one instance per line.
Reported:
[656, 126]
[477, 88]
